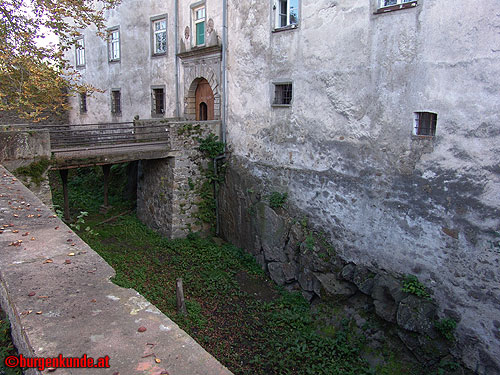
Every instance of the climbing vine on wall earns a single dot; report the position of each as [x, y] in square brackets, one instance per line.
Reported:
[213, 176]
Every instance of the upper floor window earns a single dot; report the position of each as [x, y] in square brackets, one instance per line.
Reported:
[390, 5]
[199, 25]
[287, 13]
[159, 35]
[425, 123]
[114, 44]
[116, 105]
[80, 52]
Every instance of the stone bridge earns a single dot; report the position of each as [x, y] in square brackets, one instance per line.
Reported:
[169, 168]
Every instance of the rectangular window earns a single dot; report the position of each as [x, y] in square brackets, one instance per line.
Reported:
[159, 36]
[287, 13]
[199, 23]
[114, 44]
[390, 5]
[80, 52]
[425, 123]
[158, 101]
[83, 102]
[116, 106]
[283, 94]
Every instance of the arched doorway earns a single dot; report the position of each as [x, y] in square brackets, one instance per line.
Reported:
[204, 97]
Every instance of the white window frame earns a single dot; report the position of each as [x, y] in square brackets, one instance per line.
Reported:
[114, 50]
[80, 52]
[399, 4]
[155, 33]
[277, 15]
[198, 7]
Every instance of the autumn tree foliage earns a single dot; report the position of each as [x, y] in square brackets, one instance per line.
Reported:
[35, 78]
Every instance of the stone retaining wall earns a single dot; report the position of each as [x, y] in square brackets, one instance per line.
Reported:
[167, 192]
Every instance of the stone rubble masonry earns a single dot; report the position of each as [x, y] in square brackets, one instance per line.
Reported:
[166, 189]
[301, 252]
[75, 308]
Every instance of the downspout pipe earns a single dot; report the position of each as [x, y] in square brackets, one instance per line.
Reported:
[224, 71]
[224, 112]
[176, 37]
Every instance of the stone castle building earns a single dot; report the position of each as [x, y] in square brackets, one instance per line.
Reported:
[378, 118]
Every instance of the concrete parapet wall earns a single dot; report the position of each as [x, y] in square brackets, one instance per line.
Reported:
[60, 300]
[20, 148]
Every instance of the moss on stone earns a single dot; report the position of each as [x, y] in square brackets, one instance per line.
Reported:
[35, 170]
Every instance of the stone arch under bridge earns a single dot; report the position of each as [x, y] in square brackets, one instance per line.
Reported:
[192, 82]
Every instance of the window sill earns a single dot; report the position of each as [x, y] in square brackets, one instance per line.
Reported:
[393, 8]
[281, 105]
[159, 54]
[80, 66]
[285, 28]
[157, 115]
[417, 136]
[114, 61]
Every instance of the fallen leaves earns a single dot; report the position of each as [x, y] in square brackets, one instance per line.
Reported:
[48, 261]
[15, 231]
[31, 294]
[71, 254]
[26, 234]
[67, 261]
[142, 329]
[16, 243]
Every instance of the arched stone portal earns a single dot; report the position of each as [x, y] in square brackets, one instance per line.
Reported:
[202, 91]
[204, 101]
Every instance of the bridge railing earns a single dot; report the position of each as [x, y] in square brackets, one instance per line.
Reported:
[103, 135]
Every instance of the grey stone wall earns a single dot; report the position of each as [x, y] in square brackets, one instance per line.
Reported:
[345, 153]
[168, 189]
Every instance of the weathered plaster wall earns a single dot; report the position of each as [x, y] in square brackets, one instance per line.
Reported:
[345, 152]
[137, 69]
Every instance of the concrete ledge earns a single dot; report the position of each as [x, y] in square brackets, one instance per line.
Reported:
[74, 309]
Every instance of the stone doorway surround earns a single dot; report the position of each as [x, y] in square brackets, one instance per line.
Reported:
[198, 64]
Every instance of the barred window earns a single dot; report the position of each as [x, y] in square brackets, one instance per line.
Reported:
[158, 101]
[83, 102]
[425, 123]
[283, 93]
[116, 107]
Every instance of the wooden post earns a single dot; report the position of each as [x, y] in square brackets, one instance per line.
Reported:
[64, 179]
[105, 170]
[181, 304]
